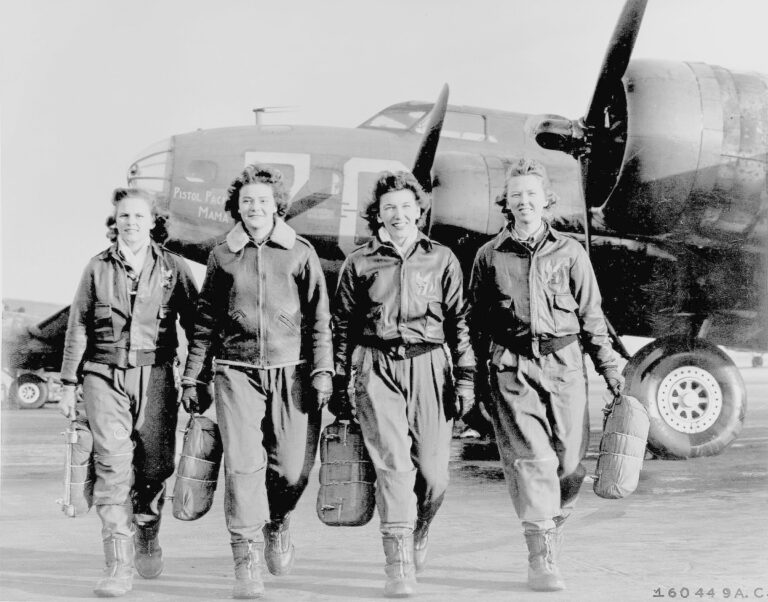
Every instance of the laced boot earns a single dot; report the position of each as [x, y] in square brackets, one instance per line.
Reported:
[420, 545]
[149, 554]
[248, 581]
[401, 579]
[543, 574]
[118, 574]
[278, 547]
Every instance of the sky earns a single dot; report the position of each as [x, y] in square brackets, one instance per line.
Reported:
[86, 85]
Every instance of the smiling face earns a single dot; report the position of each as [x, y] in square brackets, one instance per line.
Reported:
[525, 201]
[399, 213]
[257, 208]
[134, 221]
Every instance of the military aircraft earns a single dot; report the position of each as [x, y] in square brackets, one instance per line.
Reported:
[664, 180]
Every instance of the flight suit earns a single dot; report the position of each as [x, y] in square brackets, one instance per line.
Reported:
[532, 306]
[121, 337]
[264, 308]
[393, 318]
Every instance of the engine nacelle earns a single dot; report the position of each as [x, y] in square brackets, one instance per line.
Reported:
[695, 155]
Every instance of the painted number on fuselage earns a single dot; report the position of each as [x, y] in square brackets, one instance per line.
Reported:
[299, 162]
[354, 171]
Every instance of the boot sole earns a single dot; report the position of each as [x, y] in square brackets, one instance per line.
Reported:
[281, 570]
[148, 574]
[108, 593]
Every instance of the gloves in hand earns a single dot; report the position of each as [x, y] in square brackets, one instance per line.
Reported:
[322, 383]
[615, 382]
[340, 405]
[196, 398]
[465, 390]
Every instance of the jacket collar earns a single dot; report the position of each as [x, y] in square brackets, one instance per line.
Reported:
[282, 235]
[114, 251]
[505, 238]
[376, 244]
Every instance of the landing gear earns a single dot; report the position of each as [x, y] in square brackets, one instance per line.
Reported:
[694, 394]
[30, 391]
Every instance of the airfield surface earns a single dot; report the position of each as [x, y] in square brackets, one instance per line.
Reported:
[694, 529]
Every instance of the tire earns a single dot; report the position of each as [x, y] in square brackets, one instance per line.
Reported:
[757, 361]
[694, 394]
[30, 392]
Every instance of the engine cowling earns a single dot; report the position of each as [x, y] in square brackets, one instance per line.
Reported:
[694, 156]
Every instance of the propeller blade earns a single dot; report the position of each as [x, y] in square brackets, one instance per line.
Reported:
[422, 167]
[616, 58]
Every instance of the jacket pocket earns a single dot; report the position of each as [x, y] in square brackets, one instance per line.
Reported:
[103, 329]
[288, 322]
[433, 327]
[564, 310]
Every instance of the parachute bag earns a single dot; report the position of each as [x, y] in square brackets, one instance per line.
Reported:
[347, 478]
[198, 470]
[79, 470]
[622, 448]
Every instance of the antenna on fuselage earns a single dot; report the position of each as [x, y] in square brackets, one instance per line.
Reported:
[259, 111]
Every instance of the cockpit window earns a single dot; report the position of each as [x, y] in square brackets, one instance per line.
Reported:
[394, 119]
[464, 126]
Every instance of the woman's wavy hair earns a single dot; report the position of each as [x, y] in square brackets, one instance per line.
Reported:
[390, 181]
[528, 167]
[257, 174]
[159, 231]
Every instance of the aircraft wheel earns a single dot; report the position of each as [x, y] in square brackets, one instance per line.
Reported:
[757, 361]
[30, 391]
[694, 393]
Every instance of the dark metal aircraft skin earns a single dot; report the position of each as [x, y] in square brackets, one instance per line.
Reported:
[664, 180]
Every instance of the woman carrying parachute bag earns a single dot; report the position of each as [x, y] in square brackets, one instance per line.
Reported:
[622, 447]
[198, 470]
[347, 477]
[79, 472]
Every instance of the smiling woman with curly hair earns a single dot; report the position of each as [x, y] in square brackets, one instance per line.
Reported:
[121, 346]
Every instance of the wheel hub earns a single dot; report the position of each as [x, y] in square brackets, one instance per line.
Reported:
[29, 393]
[689, 399]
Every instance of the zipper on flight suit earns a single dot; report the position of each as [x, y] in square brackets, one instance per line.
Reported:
[262, 348]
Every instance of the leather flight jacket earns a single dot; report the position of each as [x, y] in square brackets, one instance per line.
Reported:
[263, 305]
[401, 306]
[106, 328]
[536, 300]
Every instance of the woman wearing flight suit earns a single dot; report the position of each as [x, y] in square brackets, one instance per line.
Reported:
[399, 300]
[264, 306]
[533, 298]
[122, 331]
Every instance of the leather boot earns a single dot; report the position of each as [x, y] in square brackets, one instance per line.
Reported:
[149, 554]
[278, 547]
[248, 581]
[401, 578]
[543, 574]
[118, 574]
[420, 545]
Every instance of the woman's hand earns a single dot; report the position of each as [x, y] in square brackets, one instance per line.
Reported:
[67, 402]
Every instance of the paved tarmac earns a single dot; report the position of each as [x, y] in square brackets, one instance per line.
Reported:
[694, 529]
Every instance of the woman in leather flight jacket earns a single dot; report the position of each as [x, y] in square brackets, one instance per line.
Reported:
[264, 307]
[399, 304]
[121, 342]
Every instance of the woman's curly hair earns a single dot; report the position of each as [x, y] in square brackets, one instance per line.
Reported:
[390, 181]
[257, 174]
[528, 167]
[159, 231]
